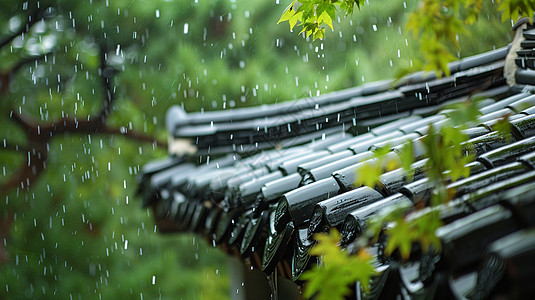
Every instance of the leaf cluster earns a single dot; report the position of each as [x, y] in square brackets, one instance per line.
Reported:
[513, 9]
[331, 278]
[439, 22]
[315, 15]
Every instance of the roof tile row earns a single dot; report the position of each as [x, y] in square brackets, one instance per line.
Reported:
[267, 204]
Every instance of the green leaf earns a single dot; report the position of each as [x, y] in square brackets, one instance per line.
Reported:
[319, 34]
[399, 237]
[425, 227]
[331, 279]
[406, 156]
[503, 127]
[293, 20]
[288, 13]
[464, 112]
[331, 11]
[325, 18]
[368, 173]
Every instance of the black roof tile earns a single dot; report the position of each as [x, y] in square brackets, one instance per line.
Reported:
[528, 111]
[524, 127]
[198, 216]
[290, 166]
[529, 34]
[301, 260]
[525, 76]
[494, 193]
[254, 235]
[503, 103]
[351, 141]
[363, 146]
[394, 141]
[528, 159]
[275, 189]
[505, 267]
[238, 231]
[412, 126]
[476, 131]
[394, 125]
[521, 200]
[508, 153]
[355, 222]
[211, 221]
[390, 183]
[496, 115]
[346, 177]
[487, 142]
[477, 181]
[327, 169]
[298, 204]
[332, 212]
[465, 240]
[249, 191]
[276, 245]
[307, 166]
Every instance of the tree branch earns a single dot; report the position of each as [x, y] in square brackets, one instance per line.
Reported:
[21, 121]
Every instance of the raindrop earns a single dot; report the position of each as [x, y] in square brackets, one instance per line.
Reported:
[186, 28]
[157, 13]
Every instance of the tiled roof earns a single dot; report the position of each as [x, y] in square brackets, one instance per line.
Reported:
[264, 179]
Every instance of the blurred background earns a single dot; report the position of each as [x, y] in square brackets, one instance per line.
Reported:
[76, 229]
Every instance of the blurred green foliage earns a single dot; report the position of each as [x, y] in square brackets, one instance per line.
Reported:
[79, 232]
